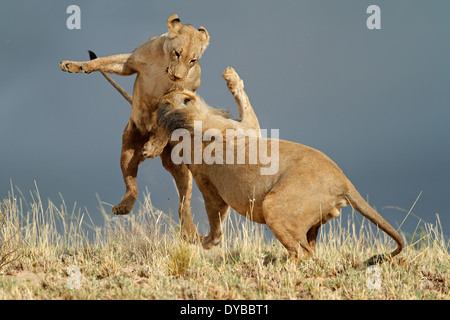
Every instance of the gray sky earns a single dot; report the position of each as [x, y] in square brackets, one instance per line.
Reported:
[375, 101]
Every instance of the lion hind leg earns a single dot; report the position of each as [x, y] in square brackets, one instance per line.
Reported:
[130, 158]
[293, 237]
[291, 220]
[295, 241]
[312, 236]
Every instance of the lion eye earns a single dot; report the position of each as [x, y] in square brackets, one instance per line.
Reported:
[177, 53]
[193, 60]
[187, 100]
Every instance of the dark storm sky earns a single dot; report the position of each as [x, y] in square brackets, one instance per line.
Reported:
[375, 101]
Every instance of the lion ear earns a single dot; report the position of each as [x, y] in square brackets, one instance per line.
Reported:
[205, 37]
[174, 25]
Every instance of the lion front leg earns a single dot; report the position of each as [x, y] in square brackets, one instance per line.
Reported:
[234, 82]
[116, 64]
[236, 87]
[183, 181]
[156, 143]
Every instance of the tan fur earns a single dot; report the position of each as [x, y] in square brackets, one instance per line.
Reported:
[162, 63]
[308, 190]
[220, 119]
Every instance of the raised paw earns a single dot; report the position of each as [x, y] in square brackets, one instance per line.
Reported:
[234, 83]
[73, 67]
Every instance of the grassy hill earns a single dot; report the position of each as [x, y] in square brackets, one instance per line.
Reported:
[48, 252]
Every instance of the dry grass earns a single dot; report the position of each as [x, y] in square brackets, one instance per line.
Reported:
[47, 252]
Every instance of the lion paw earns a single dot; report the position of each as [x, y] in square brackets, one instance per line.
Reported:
[155, 144]
[191, 237]
[234, 83]
[123, 208]
[73, 67]
[209, 241]
[151, 150]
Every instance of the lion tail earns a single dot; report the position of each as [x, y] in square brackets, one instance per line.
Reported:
[358, 203]
[122, 91]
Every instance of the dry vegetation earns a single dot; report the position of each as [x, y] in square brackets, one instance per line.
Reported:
[47, 252]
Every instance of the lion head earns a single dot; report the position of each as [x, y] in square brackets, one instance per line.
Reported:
[185, 46]
[179, 109]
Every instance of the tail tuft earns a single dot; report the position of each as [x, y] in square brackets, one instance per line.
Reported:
[376, 259]
[92, 55]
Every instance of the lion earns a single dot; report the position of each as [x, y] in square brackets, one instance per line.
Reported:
[162, 63]
[305, 191]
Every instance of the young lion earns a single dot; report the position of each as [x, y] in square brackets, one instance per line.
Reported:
[307, 190]
[162, 63]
